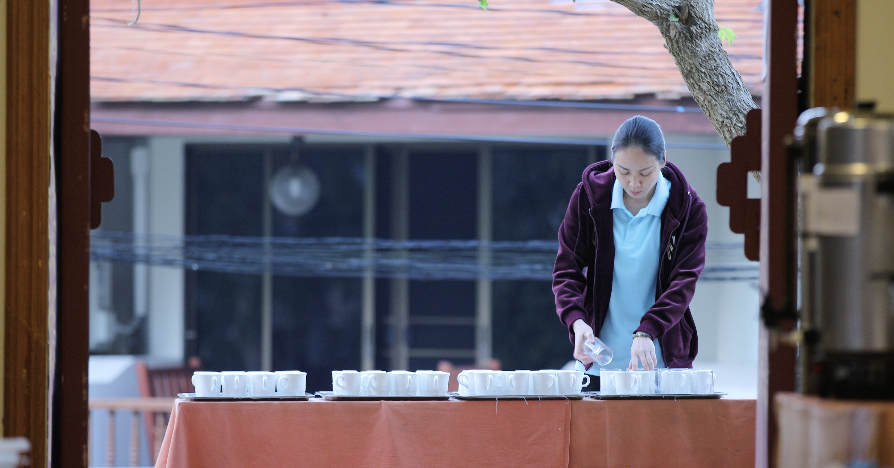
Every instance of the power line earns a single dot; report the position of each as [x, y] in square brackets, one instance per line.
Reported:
[356, 63]
[470, 6]
[357, 257]
[462, 45]
[464, 6]
[380, 46]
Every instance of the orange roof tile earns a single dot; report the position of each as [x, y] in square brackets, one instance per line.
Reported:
[318, 50]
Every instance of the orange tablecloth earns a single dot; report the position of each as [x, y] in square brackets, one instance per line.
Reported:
[662, 433]
[356, 434]
[460, 433]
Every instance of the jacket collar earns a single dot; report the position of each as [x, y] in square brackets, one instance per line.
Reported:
[599, 179]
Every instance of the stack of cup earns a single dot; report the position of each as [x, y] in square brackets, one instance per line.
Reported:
[686, 381]
[482, 382]
[291, 383]
[399, 383]
[432, 383]
[621, 382]
[254, 384]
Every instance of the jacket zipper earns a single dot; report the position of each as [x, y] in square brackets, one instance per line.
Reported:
[593, 275]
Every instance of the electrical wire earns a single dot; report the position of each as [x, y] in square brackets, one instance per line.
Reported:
[471, 6]
[337, 257]
[619, 12]
[391, 47]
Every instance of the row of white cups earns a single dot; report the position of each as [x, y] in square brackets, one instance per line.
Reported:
[659, 381]
[393, 383]
[242, 384]
[480, 382]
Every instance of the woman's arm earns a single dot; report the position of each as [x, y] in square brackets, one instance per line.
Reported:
[575, 253]
[688, 265]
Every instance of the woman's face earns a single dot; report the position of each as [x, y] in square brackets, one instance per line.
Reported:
[637, 171]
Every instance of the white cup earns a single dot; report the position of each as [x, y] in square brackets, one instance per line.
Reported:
[606, 383]
[484, 383]
[625, 383]
[570, 382]
[206, 383]
[234, 383]
[261, 384]
[518, 382]
[375, 383]
[466, 383]
[543, 382]
[403, 383]
[432, 383]
[346, 383]
[674, 381]
[291, 383]
[701, 381]
[648, 383]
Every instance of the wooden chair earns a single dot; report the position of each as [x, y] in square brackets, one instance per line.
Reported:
[162, 382]
[447, 366]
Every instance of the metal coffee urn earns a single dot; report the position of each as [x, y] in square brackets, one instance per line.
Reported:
[846, 224]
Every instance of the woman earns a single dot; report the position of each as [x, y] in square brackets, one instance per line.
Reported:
[631, 248]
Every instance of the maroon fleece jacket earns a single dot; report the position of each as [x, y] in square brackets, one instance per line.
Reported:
[582, 276]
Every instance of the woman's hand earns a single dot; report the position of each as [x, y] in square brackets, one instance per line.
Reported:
[642, 350]
[582, 332]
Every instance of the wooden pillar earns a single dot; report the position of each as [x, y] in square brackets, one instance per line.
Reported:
[779, 102]
[26, 346]
[831, 53]
[73, 176]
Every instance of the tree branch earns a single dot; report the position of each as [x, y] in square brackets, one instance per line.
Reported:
[710, 76]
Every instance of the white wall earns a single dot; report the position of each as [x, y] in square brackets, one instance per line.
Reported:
[167, 195]
[726, 313]
[875, 61]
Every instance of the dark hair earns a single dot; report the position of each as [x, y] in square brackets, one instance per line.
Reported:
[640, 131]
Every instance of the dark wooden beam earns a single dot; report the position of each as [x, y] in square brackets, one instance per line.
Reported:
[832, 53]
[73, 176]
[777, 273]
[26, 347]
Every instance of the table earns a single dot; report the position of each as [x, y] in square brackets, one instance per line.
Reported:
[547, 433]
[663, 433]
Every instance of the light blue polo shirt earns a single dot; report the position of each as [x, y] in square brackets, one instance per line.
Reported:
[635, 276]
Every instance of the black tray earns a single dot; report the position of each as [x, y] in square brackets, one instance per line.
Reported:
[657, 396]
[329, 396]
[514, 397]
[193, 397]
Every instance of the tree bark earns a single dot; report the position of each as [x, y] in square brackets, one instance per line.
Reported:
[693, 42]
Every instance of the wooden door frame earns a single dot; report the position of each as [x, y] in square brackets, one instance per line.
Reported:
[73, 183]
[31, 342]
[26, 282]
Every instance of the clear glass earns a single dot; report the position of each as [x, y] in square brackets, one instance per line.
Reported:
[598, 352]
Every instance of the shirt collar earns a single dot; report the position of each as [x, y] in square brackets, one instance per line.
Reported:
[659, 199]
[617, 195]
[656, 204]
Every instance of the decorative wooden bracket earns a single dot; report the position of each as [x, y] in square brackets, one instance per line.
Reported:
[102, 179]
[732, 184]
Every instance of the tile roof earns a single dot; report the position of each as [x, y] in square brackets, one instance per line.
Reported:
[354, 50]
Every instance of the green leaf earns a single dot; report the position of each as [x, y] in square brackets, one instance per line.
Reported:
[674, 18]
[482, 4]
[727, 34]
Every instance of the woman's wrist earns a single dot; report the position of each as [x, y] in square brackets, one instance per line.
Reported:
[577, 324]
